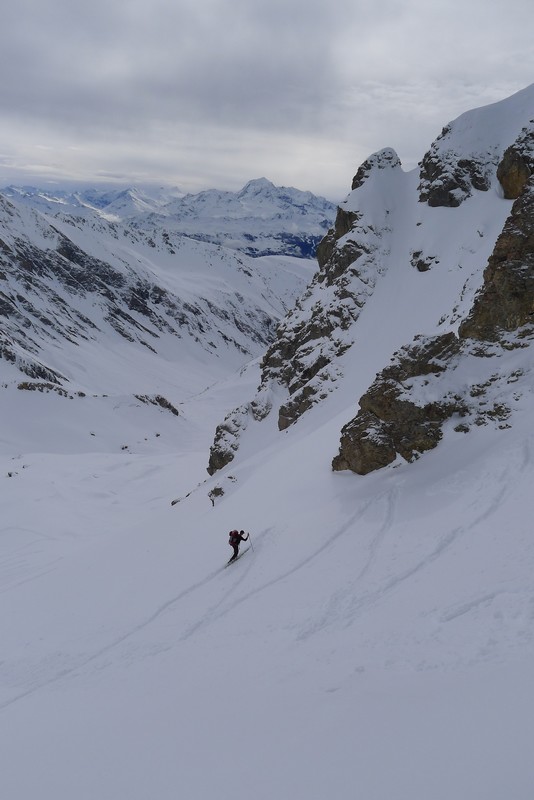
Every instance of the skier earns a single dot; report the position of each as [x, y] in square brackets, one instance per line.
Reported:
[236, 537]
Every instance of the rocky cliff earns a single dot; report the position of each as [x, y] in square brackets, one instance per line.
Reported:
[396, 416]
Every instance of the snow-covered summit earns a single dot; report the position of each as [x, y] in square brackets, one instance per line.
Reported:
[257, 186]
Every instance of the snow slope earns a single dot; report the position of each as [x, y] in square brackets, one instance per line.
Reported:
[377, 640]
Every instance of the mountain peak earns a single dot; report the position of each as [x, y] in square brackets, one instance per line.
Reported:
[256, 186]
[386, 158]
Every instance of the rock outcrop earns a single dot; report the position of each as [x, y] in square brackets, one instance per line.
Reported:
[447, 178]
[506, 301]
[391, 422]
[517, 164]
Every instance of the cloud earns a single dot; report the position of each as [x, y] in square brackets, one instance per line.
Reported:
[214, 92]
[226, 62]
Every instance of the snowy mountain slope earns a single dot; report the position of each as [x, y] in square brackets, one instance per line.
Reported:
[72, 288]
[260, 219]
[102, 323]
[376, 642]
[474, 377]
[426, 259]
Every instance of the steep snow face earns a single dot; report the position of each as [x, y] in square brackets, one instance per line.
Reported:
[489, 130]
[303, 365]
[438, 378]
[260, 219]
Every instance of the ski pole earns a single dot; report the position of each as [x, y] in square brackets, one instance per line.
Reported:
[250, 540]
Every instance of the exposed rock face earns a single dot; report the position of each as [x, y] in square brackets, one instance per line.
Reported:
[403, 412]
[448, 178]
[389, 422]
[517, 165]
[506, 301]
[228, 433]
[333, 261]
[384, 159]
[226, 440]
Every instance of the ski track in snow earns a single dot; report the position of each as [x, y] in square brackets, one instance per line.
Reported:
[443, 545]
[283, 576]
[26, 559]
[210, 616]
[357, 601]
[82, 663]
[379, 537]
[370, 598]
[466, 608]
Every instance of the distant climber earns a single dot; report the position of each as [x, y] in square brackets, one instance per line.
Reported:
[236, 537]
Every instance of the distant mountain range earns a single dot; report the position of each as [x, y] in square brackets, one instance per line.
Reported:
[260, 219]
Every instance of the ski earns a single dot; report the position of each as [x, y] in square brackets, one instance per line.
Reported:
[233, 560]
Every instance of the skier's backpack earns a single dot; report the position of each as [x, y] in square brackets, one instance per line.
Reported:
[234, 538]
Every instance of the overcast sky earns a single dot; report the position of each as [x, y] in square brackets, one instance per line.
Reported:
[211, 93]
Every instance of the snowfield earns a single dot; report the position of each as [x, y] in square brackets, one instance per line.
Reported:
[377, 640]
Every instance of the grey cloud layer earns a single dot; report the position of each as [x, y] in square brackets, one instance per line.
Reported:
[299, 87]
[123, 62]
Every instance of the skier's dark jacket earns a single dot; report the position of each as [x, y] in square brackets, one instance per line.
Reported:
[236, 538]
